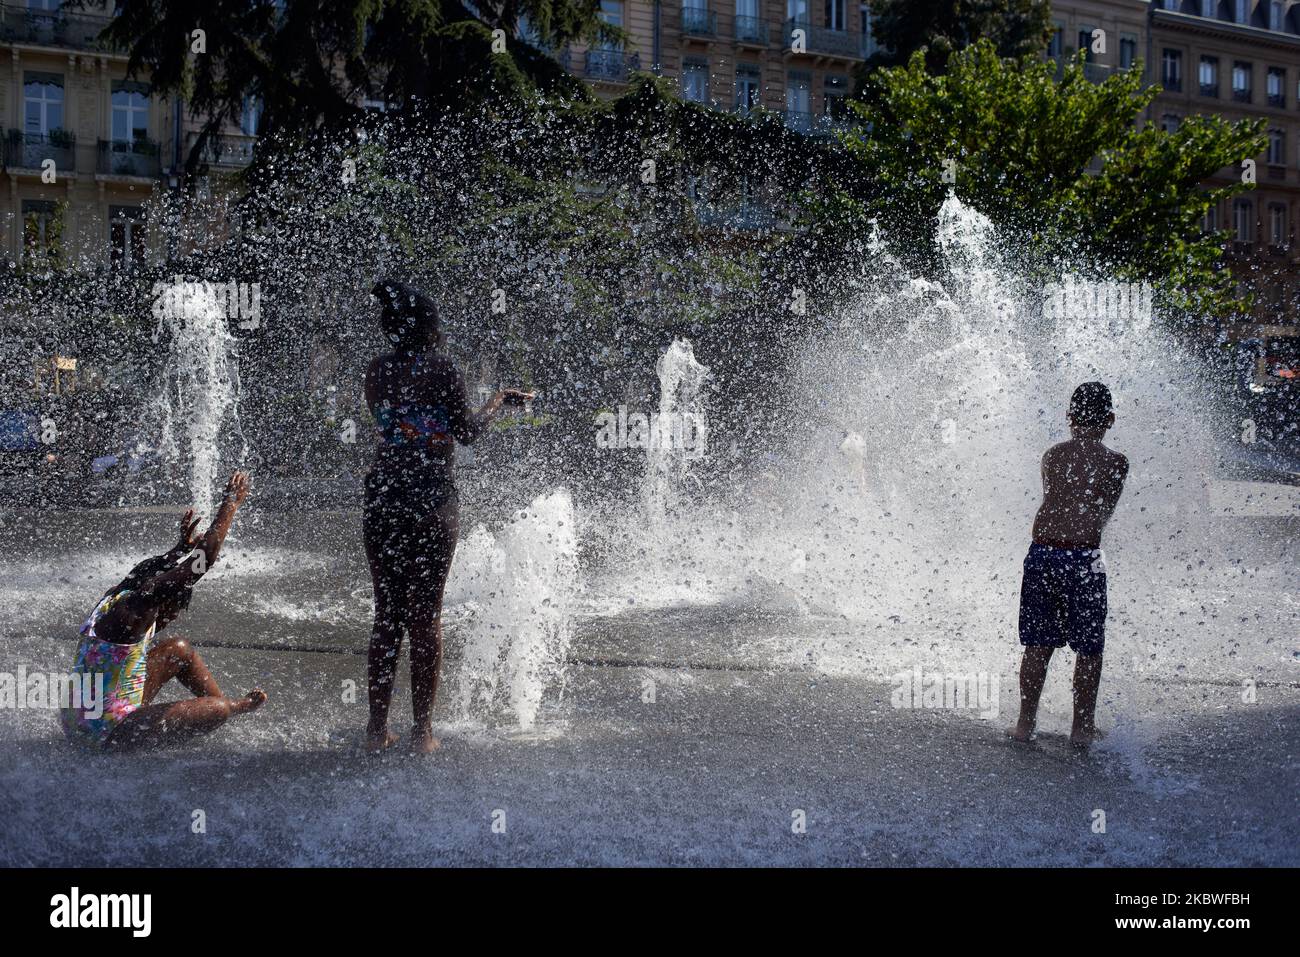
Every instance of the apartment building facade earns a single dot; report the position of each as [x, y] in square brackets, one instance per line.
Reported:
[1238, 59]
[793, 57]
[85, 147]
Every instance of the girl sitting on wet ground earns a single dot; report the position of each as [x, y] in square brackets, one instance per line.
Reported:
[119, 644]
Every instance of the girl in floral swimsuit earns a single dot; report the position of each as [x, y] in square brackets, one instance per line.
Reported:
[118, 645]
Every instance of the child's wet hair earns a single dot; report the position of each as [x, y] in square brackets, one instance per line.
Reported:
[1090, 406]
[409, 318]
[149, 569]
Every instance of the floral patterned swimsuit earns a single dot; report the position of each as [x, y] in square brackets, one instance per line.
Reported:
[123, 670]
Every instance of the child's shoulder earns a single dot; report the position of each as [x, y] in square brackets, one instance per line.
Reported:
[1118, 459]
[1057, 450]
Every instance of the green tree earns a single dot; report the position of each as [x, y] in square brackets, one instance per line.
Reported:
[940, 27]
[312, 62]
[1062, 166]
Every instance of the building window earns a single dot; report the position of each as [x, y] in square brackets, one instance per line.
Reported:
[1241, 81]
[1085, 44]
[1210, 222]
[1277, 234]
[796, 10]
[695, 16]
[1244, 225]
[527, 32]
[1169, 123]
[1209, 76]
[1171, 70]
[749, 26]
[1241, 11]
[611, 11]
[835, 14]
[798, 101]
[42, 103]
[130, 112]
[250, 118]
[748, 94]
[126, 232]
[1207, 8]
[1128, 47]
[695, 82]
[1276, 86]
[1276, 147]
[868, 40]
[835, 98]
[42, 226]
[1056, 45]
[1275, 16]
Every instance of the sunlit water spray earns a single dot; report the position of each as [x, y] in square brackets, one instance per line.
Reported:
[197, 405]
[514, 592]
[903, 505]
[678, 439]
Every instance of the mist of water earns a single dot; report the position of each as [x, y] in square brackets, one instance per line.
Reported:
[197, 402]
[514, 591]
[904, 503]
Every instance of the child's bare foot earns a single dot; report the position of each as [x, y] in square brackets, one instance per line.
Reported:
[1022, 733]
[423, 741]
[250, 702]
[379, 741]
[1082, 740]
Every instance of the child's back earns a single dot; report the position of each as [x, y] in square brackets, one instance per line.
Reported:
[1082, 482]
[1063, 593]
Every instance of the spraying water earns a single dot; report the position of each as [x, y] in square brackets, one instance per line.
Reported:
[200, 392]
[515, 590]
[678, 437]
[903, 502]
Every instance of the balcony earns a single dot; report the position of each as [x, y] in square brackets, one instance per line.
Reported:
[612, 66]
[822, 41]
[1097, 72]
[30, 150]
[801, 121]
[747, 215]
[699, 22]
[230, 151]
[52, 28]
[138, 157]
[751, 31]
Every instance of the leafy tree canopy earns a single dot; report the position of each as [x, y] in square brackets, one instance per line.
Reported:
[941, 27]
[1062, 166]
[311, 63]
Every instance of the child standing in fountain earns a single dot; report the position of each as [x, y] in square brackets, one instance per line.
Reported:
[118, 644]
[411, 513]
[1063, 594]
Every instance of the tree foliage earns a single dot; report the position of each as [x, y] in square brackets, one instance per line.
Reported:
[1063, 166]
[312, 63]
[939, 28]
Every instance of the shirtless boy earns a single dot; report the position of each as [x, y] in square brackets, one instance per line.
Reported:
[1063, 593]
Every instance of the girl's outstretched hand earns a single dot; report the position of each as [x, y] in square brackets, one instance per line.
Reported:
[188, 537]
[237, 488]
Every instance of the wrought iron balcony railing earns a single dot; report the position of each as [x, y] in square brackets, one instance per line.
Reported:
[804, 37]
[699, 21]
[612, 65]
[751, 30]
[31, 150]
[138, 157]
[233, 150]
[52, 28]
